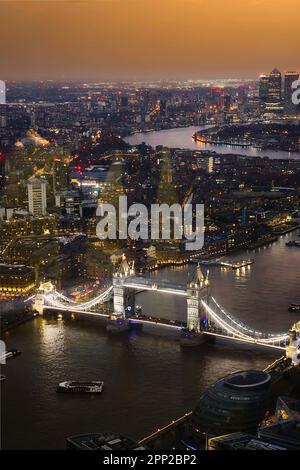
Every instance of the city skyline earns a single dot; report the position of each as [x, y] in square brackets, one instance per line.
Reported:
[150, 228]
[130, 40]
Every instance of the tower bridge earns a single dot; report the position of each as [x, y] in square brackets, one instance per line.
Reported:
[204, 317]
[195, 291]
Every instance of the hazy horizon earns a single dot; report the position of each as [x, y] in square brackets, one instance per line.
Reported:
[146, 40]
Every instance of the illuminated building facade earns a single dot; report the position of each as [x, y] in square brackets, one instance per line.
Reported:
[37, 196]
[206, 164]
[16, 280]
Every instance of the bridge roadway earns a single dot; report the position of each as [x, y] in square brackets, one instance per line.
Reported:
[134, 319]
[218, 323]
[141, 319]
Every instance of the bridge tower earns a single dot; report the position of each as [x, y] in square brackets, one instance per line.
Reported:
[39, 300]
[119, 277]
[293, 349]
[197, 290]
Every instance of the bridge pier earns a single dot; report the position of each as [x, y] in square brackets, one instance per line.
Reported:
[117, 322]
[39, 301]
[118, 293]
[197, 290]
[293, 349]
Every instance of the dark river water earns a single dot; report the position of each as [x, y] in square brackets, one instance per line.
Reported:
[182, 138]
[149, 379]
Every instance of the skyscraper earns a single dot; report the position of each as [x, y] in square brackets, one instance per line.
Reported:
[289, 78]
[227, 102]
[2, 170]
[275, 87]
[2, 92]
[37, 196]
[263, 88]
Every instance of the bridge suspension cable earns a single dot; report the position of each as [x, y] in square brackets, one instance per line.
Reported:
[251, 335]
[52, 299]
[226, 324]
[239, 324]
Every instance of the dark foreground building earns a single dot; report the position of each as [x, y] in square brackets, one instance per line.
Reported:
[237, 402]
[227, 416]
[102, 441]
[279, 436]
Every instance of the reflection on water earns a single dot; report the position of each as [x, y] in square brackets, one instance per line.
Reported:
[258, 294]
[149, 379]
[182, 138]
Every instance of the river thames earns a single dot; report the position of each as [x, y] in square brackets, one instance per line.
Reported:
[149, 379]
[182, 138]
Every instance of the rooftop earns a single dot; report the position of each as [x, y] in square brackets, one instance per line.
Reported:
[248, 379]
[102, 441]
[13, 268]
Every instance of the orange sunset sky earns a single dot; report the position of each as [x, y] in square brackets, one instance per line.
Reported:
[147, 39]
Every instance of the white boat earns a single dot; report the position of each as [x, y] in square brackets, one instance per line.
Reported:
[9, 354]
[80, 387]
